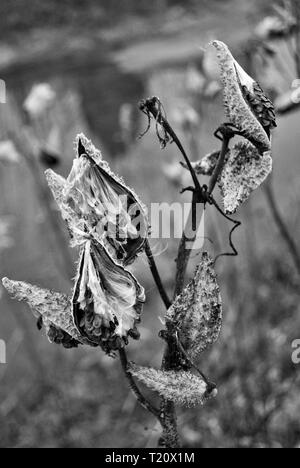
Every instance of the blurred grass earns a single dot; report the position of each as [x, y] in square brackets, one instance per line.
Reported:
[51, 397]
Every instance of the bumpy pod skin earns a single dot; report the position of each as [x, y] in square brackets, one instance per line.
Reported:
[197, 312]
[237, 107]
[107, 299]
[53, 307]
[181, 387]
[246, 169]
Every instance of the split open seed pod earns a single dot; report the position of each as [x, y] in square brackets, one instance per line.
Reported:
[197, 312]
[181, 387]
[111, 213]
[107, 299]
[246, 105]
[53, 308]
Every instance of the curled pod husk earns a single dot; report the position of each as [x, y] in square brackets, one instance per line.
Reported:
[111, 212]
[53, 308]
[246, 105]
[245, 170]
[107, 299]
[181, 387]
[197, 312]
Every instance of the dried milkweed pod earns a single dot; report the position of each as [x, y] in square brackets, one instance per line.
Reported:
[54, 308]
[181, 387]
[108, 210]
[197, 312]
[107, 299]
[246, 169]
[246, 105]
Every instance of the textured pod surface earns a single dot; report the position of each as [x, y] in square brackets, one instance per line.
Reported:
[107, 299]
[237, 107]
[246, 169]
[111, 213]
[53, 307]
[183, 388]
[197, 311]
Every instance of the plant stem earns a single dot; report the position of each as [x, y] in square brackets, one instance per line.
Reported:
[182, 263]
[151, 107]
[156, 276]
[139, 396]
[220, 164]
[283, 229]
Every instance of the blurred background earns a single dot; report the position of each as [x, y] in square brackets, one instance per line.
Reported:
[91, 62]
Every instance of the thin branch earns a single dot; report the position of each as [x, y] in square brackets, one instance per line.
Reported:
[133, 386]
[182, 263]
[156, 276]
[236, 223]
[150, 106]
[220, 164]
[283, 229]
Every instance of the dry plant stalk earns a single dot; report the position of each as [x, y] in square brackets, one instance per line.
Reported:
[109, 224]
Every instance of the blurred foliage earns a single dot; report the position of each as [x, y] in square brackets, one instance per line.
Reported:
[17, 17]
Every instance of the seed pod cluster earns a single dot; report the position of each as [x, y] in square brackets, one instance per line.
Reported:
[60, 337]
[261, 106]
[108, 221]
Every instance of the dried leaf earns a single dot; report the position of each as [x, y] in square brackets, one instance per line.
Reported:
[241, 111]
[246, 169]
[183, 388]
[107, 299]
[53, 307]
[197, 311]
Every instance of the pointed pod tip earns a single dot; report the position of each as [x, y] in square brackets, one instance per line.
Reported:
[9, 285]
